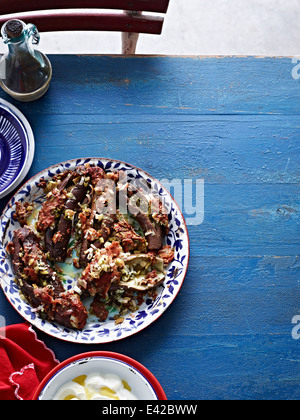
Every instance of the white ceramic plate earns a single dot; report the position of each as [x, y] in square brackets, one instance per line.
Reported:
[95, 331]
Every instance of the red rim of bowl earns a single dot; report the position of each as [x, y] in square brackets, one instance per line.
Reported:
[111, 355]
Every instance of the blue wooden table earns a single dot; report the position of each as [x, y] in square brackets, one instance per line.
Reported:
[235, 123]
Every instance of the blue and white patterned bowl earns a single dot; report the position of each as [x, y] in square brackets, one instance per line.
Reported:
[16, 147]
[95, 331]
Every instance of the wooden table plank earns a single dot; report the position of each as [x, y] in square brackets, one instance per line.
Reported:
[230, 323]
[249, 165]
[221, 149]
[233, 122]
[145, 85]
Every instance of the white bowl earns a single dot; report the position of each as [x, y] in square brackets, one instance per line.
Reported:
[144, 386]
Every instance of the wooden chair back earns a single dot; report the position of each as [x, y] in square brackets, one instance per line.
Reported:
[67, 15]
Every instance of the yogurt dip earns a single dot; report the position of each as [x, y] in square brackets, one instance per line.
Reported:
[95, 387]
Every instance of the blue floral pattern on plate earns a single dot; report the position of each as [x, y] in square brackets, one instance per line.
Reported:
[95, 331]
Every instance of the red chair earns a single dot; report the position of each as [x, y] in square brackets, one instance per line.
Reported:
[61, 15]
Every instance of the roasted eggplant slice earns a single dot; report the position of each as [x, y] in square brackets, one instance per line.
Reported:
[54, 204]
[66, 309]
[102, 271]
[166, 254]
[29, 261]
[95, 238]
[152, 222]
[128, 237]
[89, 234]
[142, 272]
[99, 224]
[99, 309]
[40, 285]
[152, 231]
[57, 243]
[22, 213]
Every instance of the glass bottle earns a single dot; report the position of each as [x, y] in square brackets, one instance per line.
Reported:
[25, 72]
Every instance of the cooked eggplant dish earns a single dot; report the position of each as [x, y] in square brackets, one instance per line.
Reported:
[119, 256]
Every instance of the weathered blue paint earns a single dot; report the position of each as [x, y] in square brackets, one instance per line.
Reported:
[235, 123]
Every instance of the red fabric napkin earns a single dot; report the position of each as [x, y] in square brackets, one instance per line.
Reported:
[24, 362]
